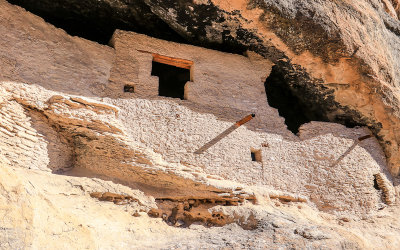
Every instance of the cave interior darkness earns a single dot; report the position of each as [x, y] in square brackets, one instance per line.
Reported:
[290, 102]
[281, 97]
[296, 104]
[96, 20]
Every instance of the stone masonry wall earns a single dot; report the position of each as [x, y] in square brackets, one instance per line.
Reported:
[325, 164]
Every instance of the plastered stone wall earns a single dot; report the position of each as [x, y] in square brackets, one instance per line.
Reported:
[217, 78]
[307, 166]
[326, 163]
[170, 132]
[232, 82]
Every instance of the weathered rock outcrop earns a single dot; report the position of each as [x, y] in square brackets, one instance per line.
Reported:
[45, 131]
[45, 211]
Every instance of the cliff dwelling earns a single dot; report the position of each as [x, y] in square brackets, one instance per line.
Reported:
[229, 87]
[207, 118]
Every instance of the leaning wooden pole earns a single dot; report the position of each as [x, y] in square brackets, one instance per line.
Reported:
[224, 134]
[355, 143]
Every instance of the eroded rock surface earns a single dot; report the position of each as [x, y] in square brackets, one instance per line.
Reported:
[81, 167]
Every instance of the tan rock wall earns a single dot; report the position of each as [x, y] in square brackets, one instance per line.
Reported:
[34, 51]
[150, 141]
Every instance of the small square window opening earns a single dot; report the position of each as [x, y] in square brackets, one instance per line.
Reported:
[129, 88]
[255, 155]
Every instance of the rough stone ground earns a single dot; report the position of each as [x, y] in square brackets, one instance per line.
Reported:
[40, 210]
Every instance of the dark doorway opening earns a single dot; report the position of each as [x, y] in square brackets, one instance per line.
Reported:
[256, 155]
[253, 156]
[172, 80]
[376, 186]
[282, 97]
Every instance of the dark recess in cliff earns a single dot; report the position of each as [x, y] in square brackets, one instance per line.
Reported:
[97, 20]
[299, 100]
[281, 97]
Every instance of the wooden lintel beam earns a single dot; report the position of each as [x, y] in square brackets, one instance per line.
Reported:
[180, 63]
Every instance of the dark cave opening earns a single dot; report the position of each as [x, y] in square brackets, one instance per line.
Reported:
[172, 79]
[299, 103]
[97, 20]
[282, 97]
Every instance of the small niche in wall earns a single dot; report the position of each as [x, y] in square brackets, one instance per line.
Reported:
[173, 73]
[128, 88]
[255, 155]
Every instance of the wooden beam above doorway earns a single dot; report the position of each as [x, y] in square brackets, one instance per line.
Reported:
[180, 63]
[177, 62]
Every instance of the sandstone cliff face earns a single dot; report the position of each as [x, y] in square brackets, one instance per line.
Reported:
[342, 57]
[83, 164]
